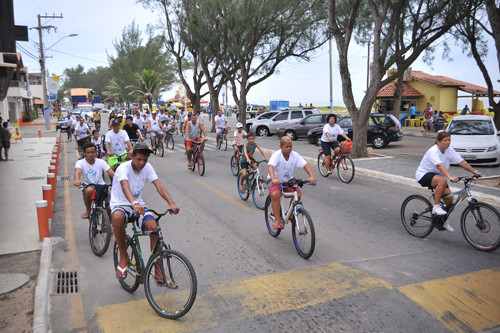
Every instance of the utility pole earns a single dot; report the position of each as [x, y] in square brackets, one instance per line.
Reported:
[42, 57]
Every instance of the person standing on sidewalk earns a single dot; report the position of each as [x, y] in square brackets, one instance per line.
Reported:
[413, 111]
[5, 138]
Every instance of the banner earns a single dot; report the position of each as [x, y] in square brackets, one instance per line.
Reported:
[15, 132]
[53, 87]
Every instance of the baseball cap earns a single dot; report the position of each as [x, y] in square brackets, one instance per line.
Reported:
[154, 111]
[116, 122]
[239, 125]
[142, 146]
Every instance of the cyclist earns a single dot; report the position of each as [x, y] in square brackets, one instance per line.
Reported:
[187, 119]
[97, 119]
[69, 121]
[117, 144]
[182, 118]
[154, 126]
[193, 129]
[126, 200]
[329, 139]
[81, 132]
[220, 123]
[167, 128]
[97, 141]
[133, 131]
[238, 143]
[88, 121]
[90, 170]
[280, 169]
[433, 171]
[247, 157]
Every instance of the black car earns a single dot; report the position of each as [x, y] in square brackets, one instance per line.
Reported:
[382, 129]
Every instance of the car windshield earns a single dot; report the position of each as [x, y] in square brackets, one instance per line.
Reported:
[471, 127]
[267, 115]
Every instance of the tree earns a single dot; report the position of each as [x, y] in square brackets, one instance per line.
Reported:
[428, 21]
[95, 78]
[148, 85]
[493, 10]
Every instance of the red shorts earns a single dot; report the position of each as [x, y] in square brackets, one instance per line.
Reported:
[190, 143]
[273, 188]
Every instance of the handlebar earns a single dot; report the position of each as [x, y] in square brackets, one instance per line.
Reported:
[299, 182]
[466, 179]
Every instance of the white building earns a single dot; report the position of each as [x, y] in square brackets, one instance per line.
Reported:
[18, 101]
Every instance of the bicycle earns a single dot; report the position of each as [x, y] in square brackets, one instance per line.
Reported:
[235, 164]
[172, 295]
[197, 158]
[159, 142]
[254, 183]
[479, 222]
[100, 225]
[303, 234]
[222, 144]
[169, 140]
[342, 161]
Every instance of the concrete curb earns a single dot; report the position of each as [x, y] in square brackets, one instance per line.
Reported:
[41, 308]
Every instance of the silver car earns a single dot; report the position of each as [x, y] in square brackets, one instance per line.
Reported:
[269, 126]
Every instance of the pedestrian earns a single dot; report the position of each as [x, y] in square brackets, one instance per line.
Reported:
[413, 111]
[428, 119]
[300, 106]
[439, 122]
[5, 140]
[209, 109]
[465, 110]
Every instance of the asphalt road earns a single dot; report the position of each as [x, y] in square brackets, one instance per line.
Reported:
[366, 274]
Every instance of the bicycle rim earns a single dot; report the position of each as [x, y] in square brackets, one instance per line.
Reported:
[345, 169]
[99, 232]
[224, 143]
[260, 192]
[269, 218]
[201, 164]
[245, 193]
[321, 165]
[234, 166]
[161, 148]
[480, 224]
[170, 265]
[416, 216]
[304, 237]
[133, 279]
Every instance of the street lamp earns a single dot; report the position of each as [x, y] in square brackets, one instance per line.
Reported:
[72, 35]
[367, 41]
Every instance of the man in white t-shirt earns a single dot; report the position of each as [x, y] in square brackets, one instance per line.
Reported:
[220, 124]
[82, 130]
[118, 144]
[329, 139]
[154, 127]
[89, 171]
[280, 169]
[126, 200]
[238, 142]
[139, 122]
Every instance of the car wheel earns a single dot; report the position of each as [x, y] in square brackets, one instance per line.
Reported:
[291, 134]
[262, 131]
[318, 140]
[379, 141]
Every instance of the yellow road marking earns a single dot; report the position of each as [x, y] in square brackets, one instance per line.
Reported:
[77, 314]
[225, 196]
[464, 303]
[160, 159]
[237, 300]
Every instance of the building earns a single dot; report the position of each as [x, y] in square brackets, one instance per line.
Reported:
[35, 84]
[17, 103]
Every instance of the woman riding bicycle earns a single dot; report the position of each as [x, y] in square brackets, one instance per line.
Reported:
[329, 139]
[433, 171]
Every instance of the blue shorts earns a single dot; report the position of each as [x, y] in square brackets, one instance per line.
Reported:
[129, 212]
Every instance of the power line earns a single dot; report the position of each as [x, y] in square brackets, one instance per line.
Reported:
[27, 52]
[72, 55]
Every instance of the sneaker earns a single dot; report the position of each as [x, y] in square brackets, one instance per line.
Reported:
[438, 210]
[448, 227]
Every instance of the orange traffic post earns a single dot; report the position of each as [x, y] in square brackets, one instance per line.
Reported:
[47, 194]
[51, 180]
[52, 169]
[43, 219]
[39, 133]
[53, 162]
[56, 157]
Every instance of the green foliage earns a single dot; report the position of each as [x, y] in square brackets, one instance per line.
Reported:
[148, 86]
[95, 78]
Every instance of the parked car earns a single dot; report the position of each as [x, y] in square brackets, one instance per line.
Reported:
[265, 115]
[265, 127]
[255, 110]
[62, 125]
[476, 139]
[300, 129]
[382, 129]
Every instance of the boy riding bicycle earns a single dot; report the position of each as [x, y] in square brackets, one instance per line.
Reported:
[280, 169]
[238, 143]
[247, 157]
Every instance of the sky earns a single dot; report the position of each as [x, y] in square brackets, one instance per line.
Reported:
[99, 23]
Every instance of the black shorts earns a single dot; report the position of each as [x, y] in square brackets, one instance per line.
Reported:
[83, 141]
[426, 180]
[246, 165]
[412, 116]
[329, 146]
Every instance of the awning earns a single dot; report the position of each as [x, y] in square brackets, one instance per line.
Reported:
[37, 101]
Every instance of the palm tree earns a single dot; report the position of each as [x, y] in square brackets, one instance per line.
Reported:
[148, 86]
[115, 92]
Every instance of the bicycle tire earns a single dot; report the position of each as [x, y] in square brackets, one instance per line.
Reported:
[219, 144]
[321, 165]
[304, 239]
[134, 270]
[345, 169]
[167, 302]
[161, 148]
[99, 232]
[269, 217]
[201, 164]
[416, 215]
[194, 158]
[246, 192]
[224, 143]
[487, 230]
[154, 150]
[260, 192]
[235, 166]
[170, 142]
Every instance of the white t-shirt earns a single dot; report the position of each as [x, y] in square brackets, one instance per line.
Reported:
[92, 173]
[117, 142]
[433, 157]
[136, 182]
[167, 128]
[139, 122]
[81, 130]
[334, 132]
[220, 121]
[283, 169]
[240, 137]
[155, 124]
[182, 117]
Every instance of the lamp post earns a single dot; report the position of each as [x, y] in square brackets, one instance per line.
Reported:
[367, 41]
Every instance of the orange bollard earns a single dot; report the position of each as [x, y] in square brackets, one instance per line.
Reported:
[46, 192]
[39, 133]
[52, 169]
[53, 162]
[51, 180]
[56, 157]
[43, 219]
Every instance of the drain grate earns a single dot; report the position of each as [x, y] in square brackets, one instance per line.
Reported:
[65, 178]
[67, 283]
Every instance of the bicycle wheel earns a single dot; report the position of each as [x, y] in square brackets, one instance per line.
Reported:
[194, 158]
[170, 265]
[176, 130]
[161, 148]
[235, 166]
[134, 270]
[260, 192]
[269, 217]
[170, 142]
[246, 191]
[345, 169]
[416, 216]
[201, 164]
[321, 165]
[154, 150]
[219, 144]
[480, 224]
[303, 234]
[224, 143]
[99, 231]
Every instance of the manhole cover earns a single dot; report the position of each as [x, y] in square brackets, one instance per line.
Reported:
[32, 178]
[67, 283]
[64, 178]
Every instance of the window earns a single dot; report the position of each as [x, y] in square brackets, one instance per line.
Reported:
[308, 112]
[282, 116]
[371, 122]
[345, 122]
[296, 115]
[316, 119]
[471, 127]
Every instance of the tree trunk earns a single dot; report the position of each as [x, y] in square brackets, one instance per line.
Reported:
[494, 17]
[398, 92]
